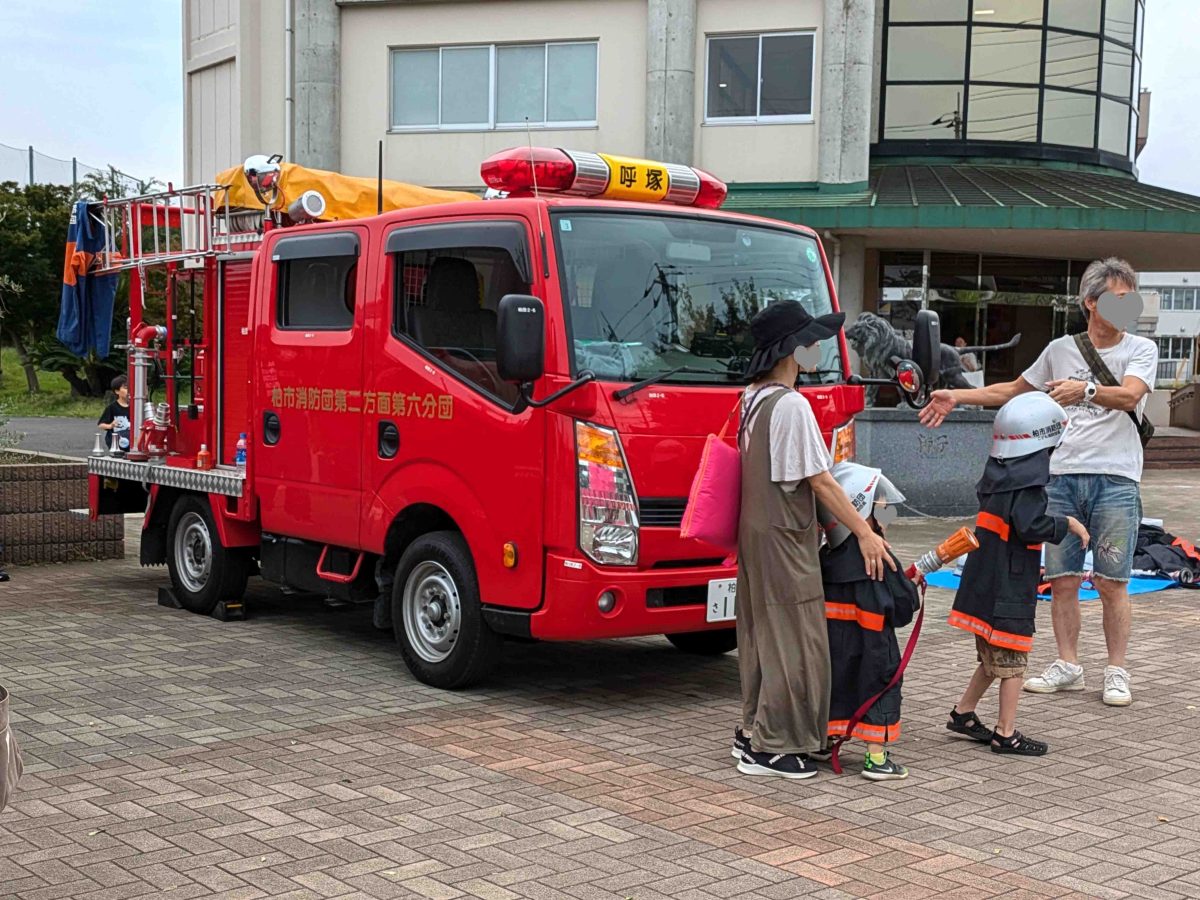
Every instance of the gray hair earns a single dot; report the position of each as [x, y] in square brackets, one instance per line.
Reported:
[1097, 276]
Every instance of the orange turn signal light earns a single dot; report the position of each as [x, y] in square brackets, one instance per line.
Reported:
[510, 555]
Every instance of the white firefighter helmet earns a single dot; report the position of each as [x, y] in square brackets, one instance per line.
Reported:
[867, 490]
[1027, 423]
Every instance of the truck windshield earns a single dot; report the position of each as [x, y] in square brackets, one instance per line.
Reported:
[651, 294]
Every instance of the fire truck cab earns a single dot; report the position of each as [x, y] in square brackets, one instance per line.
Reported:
[482, 417]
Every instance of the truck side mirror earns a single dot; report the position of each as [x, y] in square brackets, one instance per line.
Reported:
[927, 347]
[521, 339]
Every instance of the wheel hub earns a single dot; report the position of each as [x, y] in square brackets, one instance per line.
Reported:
[432, 611]
[193, 552]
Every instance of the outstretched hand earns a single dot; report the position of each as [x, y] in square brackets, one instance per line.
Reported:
[940, 405]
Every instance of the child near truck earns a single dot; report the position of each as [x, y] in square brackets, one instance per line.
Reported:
[997, 598]
[862, 616]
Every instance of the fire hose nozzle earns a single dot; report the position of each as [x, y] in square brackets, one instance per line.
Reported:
[961, 542]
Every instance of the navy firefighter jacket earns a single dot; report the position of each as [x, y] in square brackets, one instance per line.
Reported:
[862, 616]
[997, 598]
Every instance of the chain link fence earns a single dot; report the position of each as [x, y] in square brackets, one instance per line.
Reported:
[27, 166]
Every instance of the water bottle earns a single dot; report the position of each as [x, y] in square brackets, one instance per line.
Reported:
[239, 458]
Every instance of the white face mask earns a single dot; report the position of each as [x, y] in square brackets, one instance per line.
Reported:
[807, 358]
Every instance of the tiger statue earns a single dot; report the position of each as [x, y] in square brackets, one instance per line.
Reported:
[879, 347]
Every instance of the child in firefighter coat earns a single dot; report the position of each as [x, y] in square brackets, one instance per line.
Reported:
[997, 598]
[862, 616]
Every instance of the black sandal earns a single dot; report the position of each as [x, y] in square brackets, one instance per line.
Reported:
[967, 725]
[1019, 744]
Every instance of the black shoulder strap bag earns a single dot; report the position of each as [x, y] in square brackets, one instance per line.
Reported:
[1104, 375]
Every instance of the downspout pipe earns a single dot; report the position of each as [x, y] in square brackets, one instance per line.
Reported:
[837, 259]
[289, 79]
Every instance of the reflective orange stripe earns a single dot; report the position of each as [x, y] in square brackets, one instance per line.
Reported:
[1037, 547]
[996, 638]
[848, 612]
[992, 523]
[875, 734]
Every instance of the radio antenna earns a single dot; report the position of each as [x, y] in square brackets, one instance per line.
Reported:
[379, 192]
[532, 165]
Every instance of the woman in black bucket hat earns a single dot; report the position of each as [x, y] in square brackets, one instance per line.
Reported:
[783, 641]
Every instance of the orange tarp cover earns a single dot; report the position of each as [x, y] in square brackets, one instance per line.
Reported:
[346, 197]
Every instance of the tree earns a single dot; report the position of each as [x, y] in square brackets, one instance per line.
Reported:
[33, 230]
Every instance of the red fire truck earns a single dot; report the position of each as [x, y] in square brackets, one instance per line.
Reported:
[480, 416]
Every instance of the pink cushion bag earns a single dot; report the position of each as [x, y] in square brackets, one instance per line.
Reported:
[714, 502]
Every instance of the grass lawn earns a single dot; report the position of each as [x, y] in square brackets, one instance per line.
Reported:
[54, 399]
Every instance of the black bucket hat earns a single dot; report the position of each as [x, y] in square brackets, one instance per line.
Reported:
[781, 327]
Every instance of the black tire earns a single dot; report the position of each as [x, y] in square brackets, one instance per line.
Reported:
[705, 643]
[437, 616]
[192, 538]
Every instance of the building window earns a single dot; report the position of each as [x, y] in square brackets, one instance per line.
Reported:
[1058, 72]
[760, 78]
[1174, 348]
[495, 86]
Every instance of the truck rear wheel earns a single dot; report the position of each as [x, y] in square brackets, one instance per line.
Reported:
[203, 571]
[437, 616]
[705, 643]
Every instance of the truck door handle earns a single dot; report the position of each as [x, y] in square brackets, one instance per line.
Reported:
[389, 440]
[270, 428]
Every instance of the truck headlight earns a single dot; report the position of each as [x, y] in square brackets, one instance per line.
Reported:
[608, 507]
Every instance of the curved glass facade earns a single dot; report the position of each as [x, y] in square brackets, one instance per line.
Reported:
[1044, 78]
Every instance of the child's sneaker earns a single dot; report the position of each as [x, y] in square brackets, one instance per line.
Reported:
[782, 765]
[741, 743]
[1019, 744]
[1060, 675]
[1116, 687]
[967, 725]
[888, 770]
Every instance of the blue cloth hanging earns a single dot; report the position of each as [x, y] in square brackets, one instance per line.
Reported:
[85, 317]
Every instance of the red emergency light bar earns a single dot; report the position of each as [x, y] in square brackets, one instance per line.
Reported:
[523, 170]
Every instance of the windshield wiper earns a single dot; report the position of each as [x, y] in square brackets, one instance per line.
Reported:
[624, 393]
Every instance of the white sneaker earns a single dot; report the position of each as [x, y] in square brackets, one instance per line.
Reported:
[1116, 687]
[1060, 675]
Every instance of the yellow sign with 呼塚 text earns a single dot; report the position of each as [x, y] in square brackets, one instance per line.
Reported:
[635, 179]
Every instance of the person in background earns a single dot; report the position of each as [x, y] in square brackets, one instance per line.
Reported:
[115, 418]
[783, 642]
[1096, 471]
[969, 362]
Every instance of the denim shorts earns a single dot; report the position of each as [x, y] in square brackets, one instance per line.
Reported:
[1110, 508]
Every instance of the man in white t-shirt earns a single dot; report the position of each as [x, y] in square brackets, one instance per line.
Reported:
[1095, 472]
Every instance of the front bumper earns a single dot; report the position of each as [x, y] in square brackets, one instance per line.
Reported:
[570, 611]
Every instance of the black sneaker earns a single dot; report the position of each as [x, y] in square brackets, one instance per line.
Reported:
[967, 725]
[823, 755]
[741, 743]
[782, 765]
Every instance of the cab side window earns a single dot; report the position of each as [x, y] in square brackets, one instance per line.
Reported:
[446, 301]
[316, 281]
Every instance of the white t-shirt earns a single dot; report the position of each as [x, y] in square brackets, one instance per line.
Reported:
[1098, 441]
[798, 450]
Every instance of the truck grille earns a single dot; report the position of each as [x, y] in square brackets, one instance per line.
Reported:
[662, 512]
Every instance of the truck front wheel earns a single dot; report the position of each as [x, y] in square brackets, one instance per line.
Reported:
[203, 571]
[437, 616]
[705, 643]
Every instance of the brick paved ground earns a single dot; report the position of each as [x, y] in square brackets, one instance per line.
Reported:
[292, 756]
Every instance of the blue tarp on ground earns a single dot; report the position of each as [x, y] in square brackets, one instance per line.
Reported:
[950, 581]
[85, 318]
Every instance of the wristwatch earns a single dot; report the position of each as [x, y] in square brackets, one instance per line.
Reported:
[1089, 390]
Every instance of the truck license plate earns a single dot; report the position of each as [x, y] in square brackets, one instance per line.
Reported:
[721, 596]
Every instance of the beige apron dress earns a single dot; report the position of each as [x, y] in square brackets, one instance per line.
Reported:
[783, 641]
